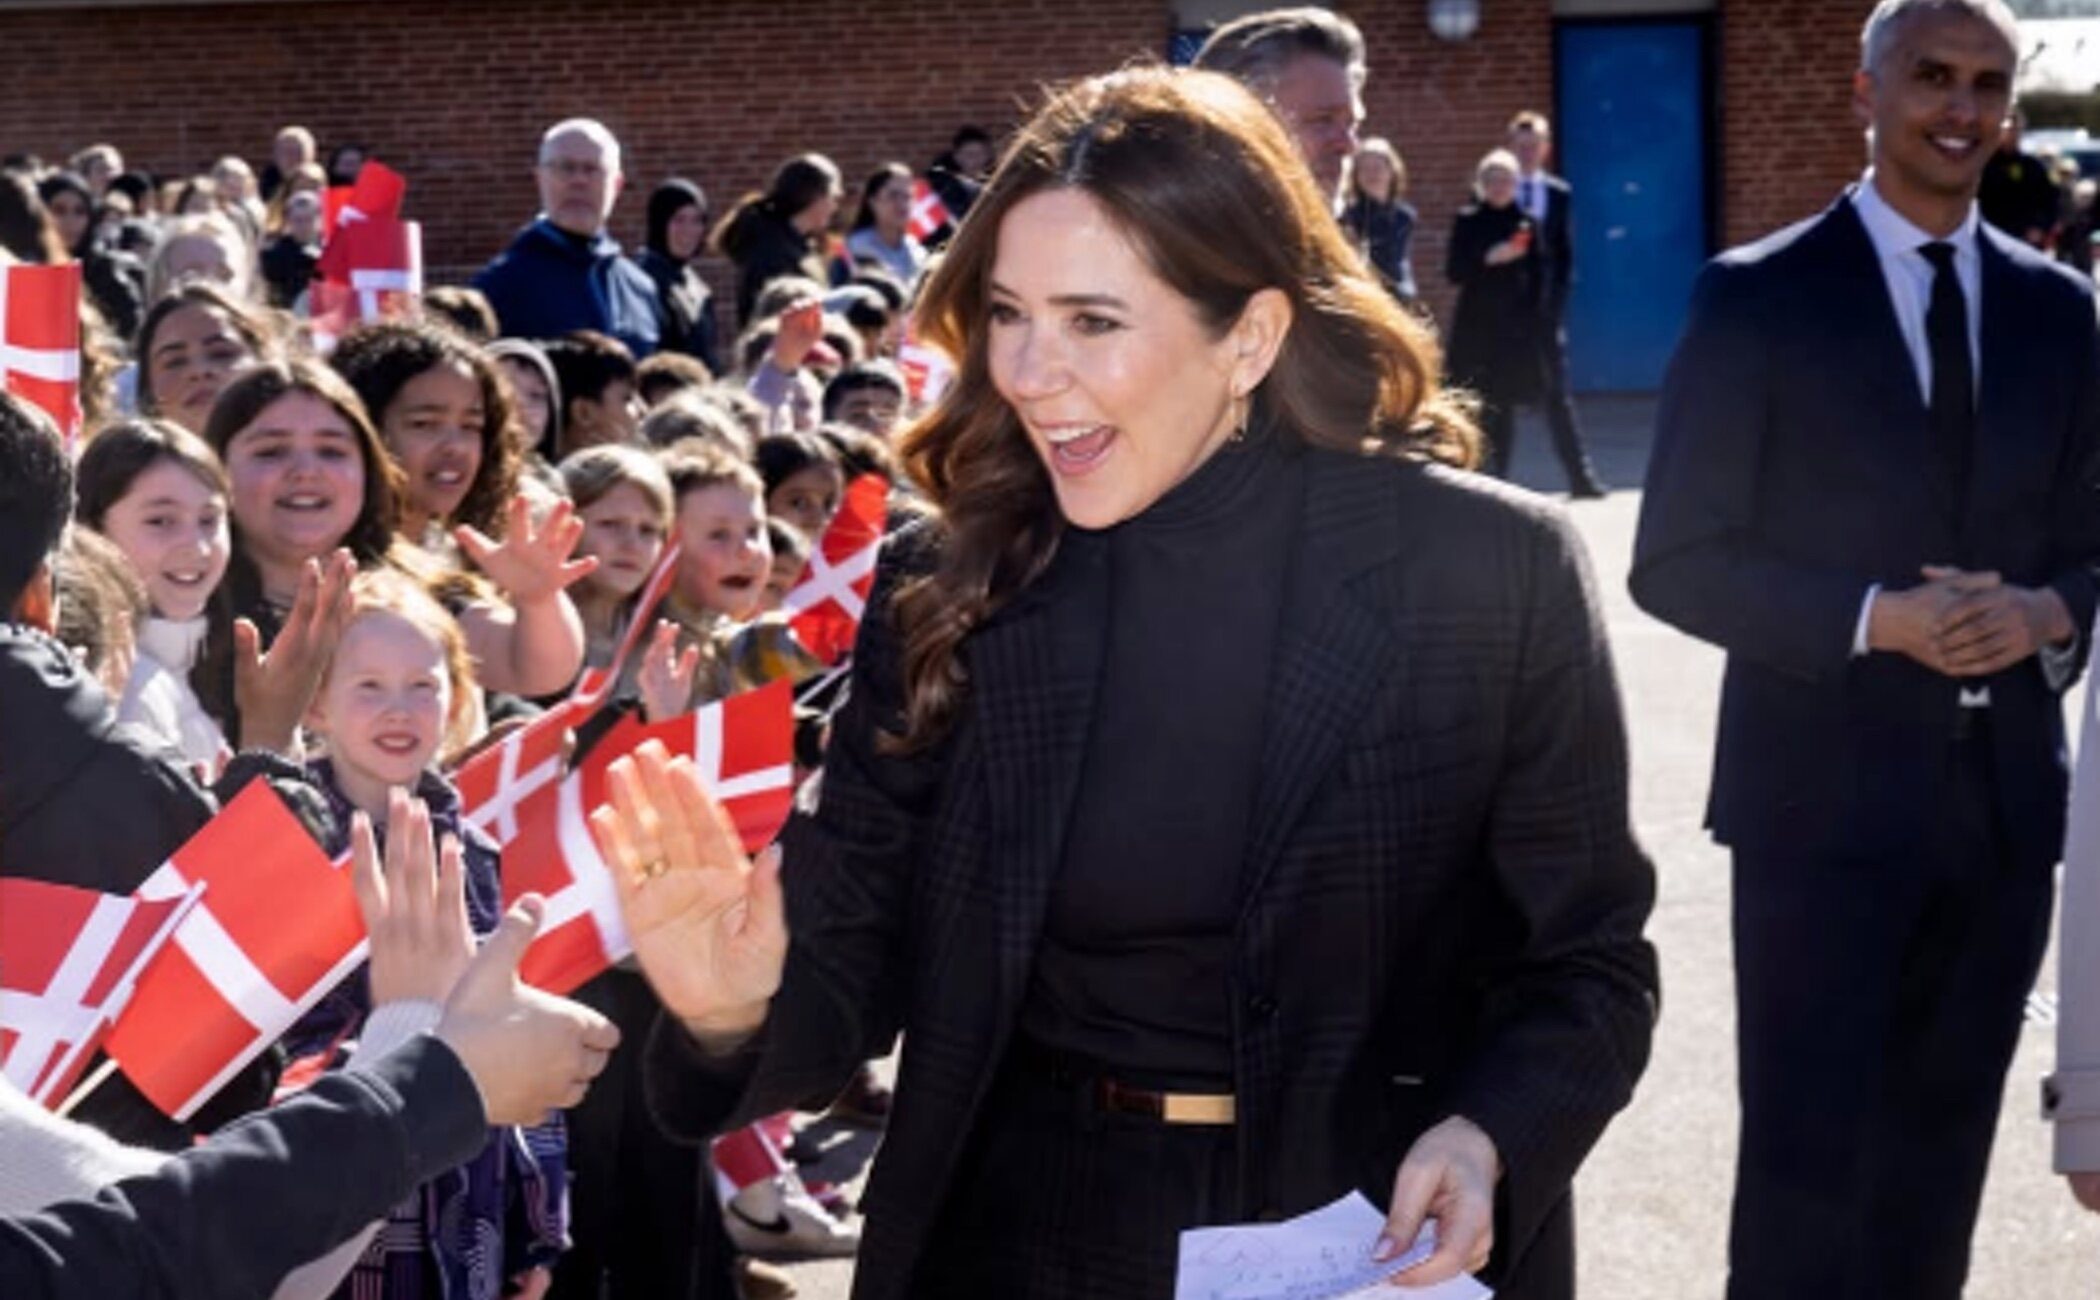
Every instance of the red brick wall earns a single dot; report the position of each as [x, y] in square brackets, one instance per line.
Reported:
[1789, 140]
[456, 93]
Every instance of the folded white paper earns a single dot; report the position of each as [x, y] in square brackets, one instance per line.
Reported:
[1324, 1255]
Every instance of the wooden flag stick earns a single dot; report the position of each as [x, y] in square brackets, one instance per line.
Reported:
[88, 1085]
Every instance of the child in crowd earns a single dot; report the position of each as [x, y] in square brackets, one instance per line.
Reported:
[596, 374]
[100, 605]
[445, 416]
[624, 500]
[157, 491]
[538, 393]
[790, 557]
[803, 480]
[309, 474]
[394, 704]
[194, 341]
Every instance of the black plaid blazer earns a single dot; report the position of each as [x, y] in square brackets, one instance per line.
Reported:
[1442, 897]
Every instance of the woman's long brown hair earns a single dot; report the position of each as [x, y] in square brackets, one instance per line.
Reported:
[1212, 191]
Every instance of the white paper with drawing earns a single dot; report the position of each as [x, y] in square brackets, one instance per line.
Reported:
[1324, 1255]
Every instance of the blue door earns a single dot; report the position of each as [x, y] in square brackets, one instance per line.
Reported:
[1631, 138]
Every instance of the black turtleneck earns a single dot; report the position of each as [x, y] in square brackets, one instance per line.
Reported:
[1132, 972]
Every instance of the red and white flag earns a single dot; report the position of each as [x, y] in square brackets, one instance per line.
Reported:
[378, 275]
[744, 748]
[497, 785]
[927, 370]
[278, 928]
[825, 605]
[928, 213]
[375, 196]
[40, 340]
[70, 960]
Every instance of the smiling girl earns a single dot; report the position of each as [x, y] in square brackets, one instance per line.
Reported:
[398, 699]
[445, 416]
[309, 474]
[158, 492]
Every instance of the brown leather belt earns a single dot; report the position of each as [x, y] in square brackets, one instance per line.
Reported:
[1167, 1107]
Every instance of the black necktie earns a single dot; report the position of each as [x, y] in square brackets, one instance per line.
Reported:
[1953, 407]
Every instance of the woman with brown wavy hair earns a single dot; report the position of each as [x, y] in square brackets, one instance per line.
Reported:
[1231, 802]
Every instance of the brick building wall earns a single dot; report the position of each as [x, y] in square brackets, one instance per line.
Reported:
[456, 93]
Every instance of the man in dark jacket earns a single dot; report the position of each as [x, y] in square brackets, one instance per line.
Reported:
[563, 272]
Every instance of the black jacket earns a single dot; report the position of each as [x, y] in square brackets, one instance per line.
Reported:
[231, 1218]
[688, 308]
[765, 247]
[1441, 901]
[1790, 473]
[1495, 327]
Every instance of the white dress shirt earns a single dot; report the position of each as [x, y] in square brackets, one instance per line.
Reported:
[1531, 195]
[1909, 277]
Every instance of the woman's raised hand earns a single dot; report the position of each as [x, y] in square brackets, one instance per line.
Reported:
[529, 564]
[272, 690]
[707, 922]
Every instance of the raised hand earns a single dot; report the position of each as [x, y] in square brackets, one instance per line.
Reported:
[272, 691]
[529, 1052]
[1449, 1175]
[801, 329]
[666, 675]
[707, 923]
[529, 564]
[414, 903]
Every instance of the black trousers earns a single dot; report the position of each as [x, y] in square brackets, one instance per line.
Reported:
[642, 1211]
[1879, 1002]
[1557, 401]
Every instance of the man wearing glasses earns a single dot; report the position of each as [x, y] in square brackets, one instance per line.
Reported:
[564, 272]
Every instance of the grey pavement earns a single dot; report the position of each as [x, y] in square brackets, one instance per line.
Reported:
[1653, 1199]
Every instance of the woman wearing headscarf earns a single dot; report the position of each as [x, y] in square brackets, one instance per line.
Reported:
[677, 232]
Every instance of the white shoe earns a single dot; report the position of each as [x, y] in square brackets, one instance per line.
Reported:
[780, 1217]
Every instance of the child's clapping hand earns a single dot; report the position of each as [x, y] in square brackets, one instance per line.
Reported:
[666, 676]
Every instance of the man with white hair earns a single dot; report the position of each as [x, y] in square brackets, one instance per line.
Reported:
[1876, 485]
[564, 272]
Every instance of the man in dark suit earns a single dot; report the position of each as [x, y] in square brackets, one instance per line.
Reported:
[1874, 485]
[1547, 200]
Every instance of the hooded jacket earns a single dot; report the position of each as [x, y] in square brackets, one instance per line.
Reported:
[549, 282]
[683, 297]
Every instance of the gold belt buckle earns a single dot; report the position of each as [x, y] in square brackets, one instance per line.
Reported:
[1198, 1108]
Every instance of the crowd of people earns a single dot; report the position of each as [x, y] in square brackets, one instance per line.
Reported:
[1133, 896]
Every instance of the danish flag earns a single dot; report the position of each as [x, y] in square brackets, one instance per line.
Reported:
[40, 340]
[927, 370]
[744, 748]
[825, 605]
[278, 929]
[497, 785]
[377, 275]
[928, 213]
[375, 196]
[70, 959]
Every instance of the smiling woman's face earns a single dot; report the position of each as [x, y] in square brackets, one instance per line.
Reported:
[1121, 387]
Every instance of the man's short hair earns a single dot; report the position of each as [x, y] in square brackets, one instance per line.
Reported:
[1258, 47]
[1532, 121]
[1879, 34]
[36, 495]
[591, 128]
